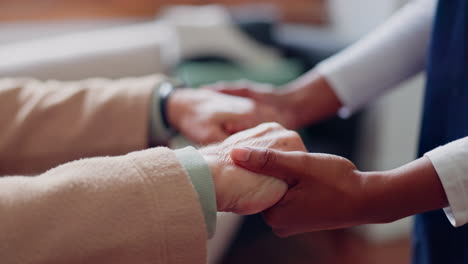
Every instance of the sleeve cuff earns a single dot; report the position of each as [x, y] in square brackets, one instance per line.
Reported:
[330, 69]
[201, 178]
[450, 164]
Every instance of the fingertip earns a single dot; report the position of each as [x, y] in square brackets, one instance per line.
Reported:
[282, 233]
[241, 154]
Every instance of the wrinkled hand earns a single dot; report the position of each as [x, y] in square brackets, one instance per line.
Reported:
[205, 116]
[241, 191]
[264, 95]
[325, 191]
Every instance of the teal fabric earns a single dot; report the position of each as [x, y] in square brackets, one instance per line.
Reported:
[192, 161]
[200, 174]
[202, 73]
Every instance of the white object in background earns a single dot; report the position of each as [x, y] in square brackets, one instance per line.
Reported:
[352, 19]
[26, 31]
[122, 51]
[209, 30]
[137, 49]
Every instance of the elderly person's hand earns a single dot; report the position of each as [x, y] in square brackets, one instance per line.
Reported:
[328, 192]
[205, 116]
[242, 191]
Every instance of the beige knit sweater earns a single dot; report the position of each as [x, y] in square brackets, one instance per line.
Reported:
[137, 208]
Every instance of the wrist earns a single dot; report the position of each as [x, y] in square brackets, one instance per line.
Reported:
[171, 103]
[376, 208]
[310, 99]
[211, 157]
[160, 131]
[408, 190]
[174, 108]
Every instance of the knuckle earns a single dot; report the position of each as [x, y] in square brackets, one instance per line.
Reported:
[273, 126]
[293, 135]
[291, 140]
[267, 159]
[266, 127]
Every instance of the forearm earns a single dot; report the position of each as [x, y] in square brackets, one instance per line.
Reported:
[43, 124]
[135, 208]
[411, 189]
[392, 53]
[309, 99]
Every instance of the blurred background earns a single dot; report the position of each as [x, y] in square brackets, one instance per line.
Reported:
[201, 42]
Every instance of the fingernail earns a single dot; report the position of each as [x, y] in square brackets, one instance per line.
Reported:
[241, 154]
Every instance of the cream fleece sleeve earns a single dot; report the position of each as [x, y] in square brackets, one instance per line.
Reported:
[44, 124]
[138, 208]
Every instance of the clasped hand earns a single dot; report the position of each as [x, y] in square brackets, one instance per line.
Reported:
[303, 192]
[324, 191]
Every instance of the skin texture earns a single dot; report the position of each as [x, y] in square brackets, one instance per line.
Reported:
[205, 116]
[328, 192]
[304, 101]
[241, 191]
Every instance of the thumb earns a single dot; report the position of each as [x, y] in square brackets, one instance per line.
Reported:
[286, 166]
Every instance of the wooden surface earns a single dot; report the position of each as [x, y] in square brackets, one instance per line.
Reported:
[308, 11]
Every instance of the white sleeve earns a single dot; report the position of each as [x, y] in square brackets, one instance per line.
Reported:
[392, 53]
[450, 162]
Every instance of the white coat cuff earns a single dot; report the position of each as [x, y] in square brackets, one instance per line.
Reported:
[450, 164]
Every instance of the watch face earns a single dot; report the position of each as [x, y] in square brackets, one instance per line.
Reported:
[165, 89]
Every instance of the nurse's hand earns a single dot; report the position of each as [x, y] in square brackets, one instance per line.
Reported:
[304, 101]
[239, 190]
[264, 95]
[328, 192]
[325, 191]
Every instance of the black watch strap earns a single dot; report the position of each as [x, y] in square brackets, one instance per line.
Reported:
[166, 89]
